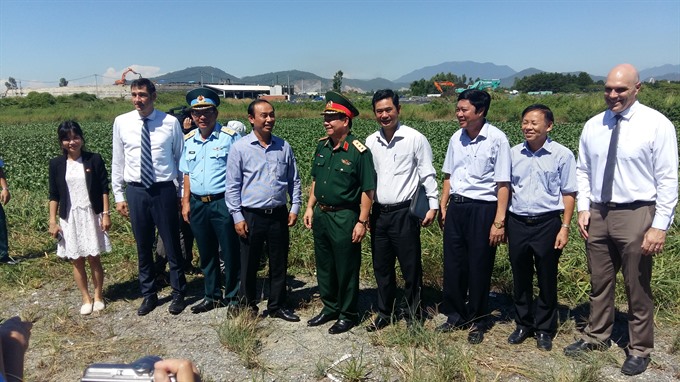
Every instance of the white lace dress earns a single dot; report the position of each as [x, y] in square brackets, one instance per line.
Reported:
[82, 233]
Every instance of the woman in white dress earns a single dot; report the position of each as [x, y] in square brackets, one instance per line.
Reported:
[79, 211]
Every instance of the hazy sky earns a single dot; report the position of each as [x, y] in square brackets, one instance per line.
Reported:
[42, 41]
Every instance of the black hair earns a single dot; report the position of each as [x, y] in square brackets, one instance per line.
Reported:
[251, 107]
[478, 99]
[143, 83]
[67, 128]
[386, 93]
[547, 113]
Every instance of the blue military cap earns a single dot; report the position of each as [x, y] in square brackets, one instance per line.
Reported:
[202, 98]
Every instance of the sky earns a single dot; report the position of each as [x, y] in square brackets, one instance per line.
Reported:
[96, 40]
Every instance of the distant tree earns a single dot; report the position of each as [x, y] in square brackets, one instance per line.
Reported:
[337, 81]
[11, 84]
[63, 82]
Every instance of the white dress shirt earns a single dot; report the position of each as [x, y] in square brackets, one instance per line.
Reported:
[646, 161]
[476, 165]
[167, 141]
[401, 165]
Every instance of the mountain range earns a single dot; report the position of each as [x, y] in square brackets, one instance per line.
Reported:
[306, 82]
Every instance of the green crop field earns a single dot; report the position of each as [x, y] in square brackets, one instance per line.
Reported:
[27, 148]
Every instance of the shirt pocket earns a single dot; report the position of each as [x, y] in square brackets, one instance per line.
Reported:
[281, 169]
[550, 181]
[218, 154]
[190, 156]
[402, 164]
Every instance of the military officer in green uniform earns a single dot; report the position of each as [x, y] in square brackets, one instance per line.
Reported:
[343, 181]
[204, 164]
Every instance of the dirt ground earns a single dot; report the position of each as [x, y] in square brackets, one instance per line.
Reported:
[63, 343]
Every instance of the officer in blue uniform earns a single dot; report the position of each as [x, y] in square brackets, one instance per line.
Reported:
[204, 164]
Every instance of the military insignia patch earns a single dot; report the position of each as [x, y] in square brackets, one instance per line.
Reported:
[360, 146]
[346, 162]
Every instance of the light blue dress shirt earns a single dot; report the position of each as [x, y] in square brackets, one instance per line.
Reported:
[540, 178]
[205, 161]
[259, 177]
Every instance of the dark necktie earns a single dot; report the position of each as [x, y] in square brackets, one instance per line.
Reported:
[145, 162]
[608, 178]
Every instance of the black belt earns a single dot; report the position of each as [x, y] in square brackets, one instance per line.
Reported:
[462, 199]
[264, 211]
[391, 207]
[635, 204]
[208, 198]
[327, 208]
[138, 184]
[533, 220]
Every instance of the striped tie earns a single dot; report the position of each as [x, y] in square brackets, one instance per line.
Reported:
[146, 163]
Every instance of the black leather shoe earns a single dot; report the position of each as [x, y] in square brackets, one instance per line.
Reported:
[544, 341]
[475, 336]
[177, 305]
[320, 319]
[635, 365]
[377, 324]
[341, 326]
[147, 305]
[206, 306]
[285, 315]
[447, 327]
[519, 335]
[581, 346]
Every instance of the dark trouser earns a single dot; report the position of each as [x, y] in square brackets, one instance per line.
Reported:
[528, 245]
[186, 243]
[337, 262]
[396, 235]
[614, 242]
[271, 228]
[468, 261]
[4, 248]
[213, 229]
[151, 208]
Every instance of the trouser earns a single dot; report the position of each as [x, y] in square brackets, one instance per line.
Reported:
[395, 235]
[186, 243]
[150, 208]
[270, 228]
[4, 247]
[213, 228]
[468, 261]
[614, 242]
[338, 261]
[532, 245]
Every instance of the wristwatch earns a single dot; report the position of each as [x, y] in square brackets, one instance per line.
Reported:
[499, 225]
[364, 223]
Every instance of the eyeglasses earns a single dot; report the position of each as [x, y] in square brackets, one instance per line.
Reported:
[202, 113]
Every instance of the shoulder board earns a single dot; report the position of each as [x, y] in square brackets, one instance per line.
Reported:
[360, 146]
[228, 131]
[323, 138]
[190, 134]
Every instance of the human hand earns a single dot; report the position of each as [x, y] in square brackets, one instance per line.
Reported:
[16, 332]
[441, 217]
[241, 229]
[186, 209]
[54, 230]
[653, 241]
[292, 219]
[429, 218]
[122, 208]
[496, 236]
[583, 223]
[106, 222]
[183, 370]
[562, 238]
[308, 217]
[358, 232]
[4, 196]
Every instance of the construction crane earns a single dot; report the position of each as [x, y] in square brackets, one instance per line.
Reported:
[439, 84]
[122, 80]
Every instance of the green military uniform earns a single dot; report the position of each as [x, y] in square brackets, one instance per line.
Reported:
[341, 176]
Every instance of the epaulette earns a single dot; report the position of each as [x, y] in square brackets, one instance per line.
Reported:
[228, 131]
[324, 138]
[190, 134]
[360, 146]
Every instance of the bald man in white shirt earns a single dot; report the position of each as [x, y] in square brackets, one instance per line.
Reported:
[627, 175]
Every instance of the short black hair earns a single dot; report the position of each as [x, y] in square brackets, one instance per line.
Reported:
[67, 128]
[547, 113]
[386, 93]
[478, 99]
[143, 83]
[251, 107]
